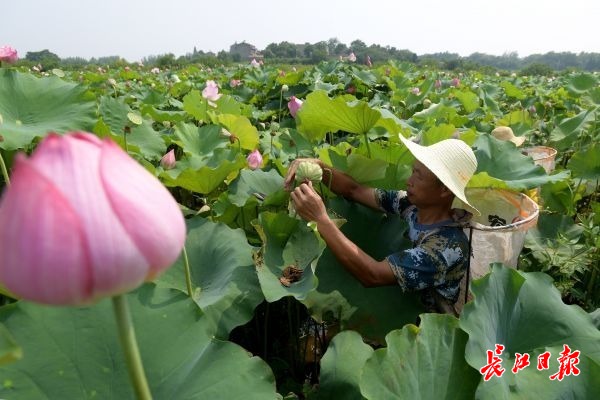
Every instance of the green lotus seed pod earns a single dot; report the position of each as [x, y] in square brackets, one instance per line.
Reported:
[309, 171]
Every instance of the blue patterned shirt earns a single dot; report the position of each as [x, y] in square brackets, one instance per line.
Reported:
[438, 258]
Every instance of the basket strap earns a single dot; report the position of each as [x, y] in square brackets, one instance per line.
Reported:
[469, 262]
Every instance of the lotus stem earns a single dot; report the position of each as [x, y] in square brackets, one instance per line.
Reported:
[4, 170]
[188, 274]
[130, 348]
[368, 146]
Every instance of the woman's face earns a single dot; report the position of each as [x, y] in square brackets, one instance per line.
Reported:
[423, 187]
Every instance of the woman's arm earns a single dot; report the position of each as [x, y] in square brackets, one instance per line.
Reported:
[366, 269]
[339, 182]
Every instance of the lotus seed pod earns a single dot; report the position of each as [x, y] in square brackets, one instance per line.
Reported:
[309, 171]
[426, 103]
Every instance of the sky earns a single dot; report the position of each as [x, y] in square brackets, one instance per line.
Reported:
[134, 29]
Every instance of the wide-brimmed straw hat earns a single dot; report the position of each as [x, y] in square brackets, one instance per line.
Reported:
[506, 133]
[452, 161]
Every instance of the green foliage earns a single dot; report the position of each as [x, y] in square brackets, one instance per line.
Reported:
[243, 239]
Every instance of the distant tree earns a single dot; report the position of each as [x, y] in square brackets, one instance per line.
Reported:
[46, 58]
[319, 52]
[165, 60]
[537, 69]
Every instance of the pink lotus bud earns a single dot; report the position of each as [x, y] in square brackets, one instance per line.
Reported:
[234, 82]
[211, 91]
[282, 73]
[8, 54]
[532, 109]
[254, 160]
[254, 63]
[388, 72]
[351, 57]
[455, 82]
[82, 220]
[416, 91]
[294, 105]
[437, 84]
[351, 89]
[369, 63]
[168, 160]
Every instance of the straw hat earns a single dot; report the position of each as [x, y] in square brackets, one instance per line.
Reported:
[452, 161]
[506, 133]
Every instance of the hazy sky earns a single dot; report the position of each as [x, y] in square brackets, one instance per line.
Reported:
[134, 29]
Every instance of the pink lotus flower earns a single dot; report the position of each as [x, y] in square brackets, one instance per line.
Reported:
[235, 82]
[254, 160]
[437, 84]
[254, 63]
[168, 160]
[455, 82]
[416, 91]
[294, 105]
[82, 220]
[211, 91]
[155, 70]
[8, 54]
[351, 57]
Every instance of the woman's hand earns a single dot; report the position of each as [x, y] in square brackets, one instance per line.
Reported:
[288, 182]
[308, 203]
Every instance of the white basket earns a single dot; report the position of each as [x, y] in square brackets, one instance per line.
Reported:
[542, 155]
[499, 233]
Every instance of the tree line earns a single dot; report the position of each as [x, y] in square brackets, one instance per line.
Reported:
[332, 49]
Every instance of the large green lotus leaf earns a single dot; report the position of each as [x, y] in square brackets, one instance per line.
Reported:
[552, 227]
[141, 137]
[569, 129]
[201, 174]
[163, 115]
[242, 129]
[421, 363]
[31, 107]
[293, 145]
[288, 245]
[437, 112]
[376, 311]
[9, 349]
[502, 160]
[585, 164]
[559, 197]
[341, 367]
[222, 272]
[468, 99]
[530, 380]
[488, 94]
[250, 182]
[512, 91]
[195, 105]
[319, 114]
[392, 124]
[525, 313]
[364, 169]
[114, 114]
[581, 83]
[74, 353]
[201, 141]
